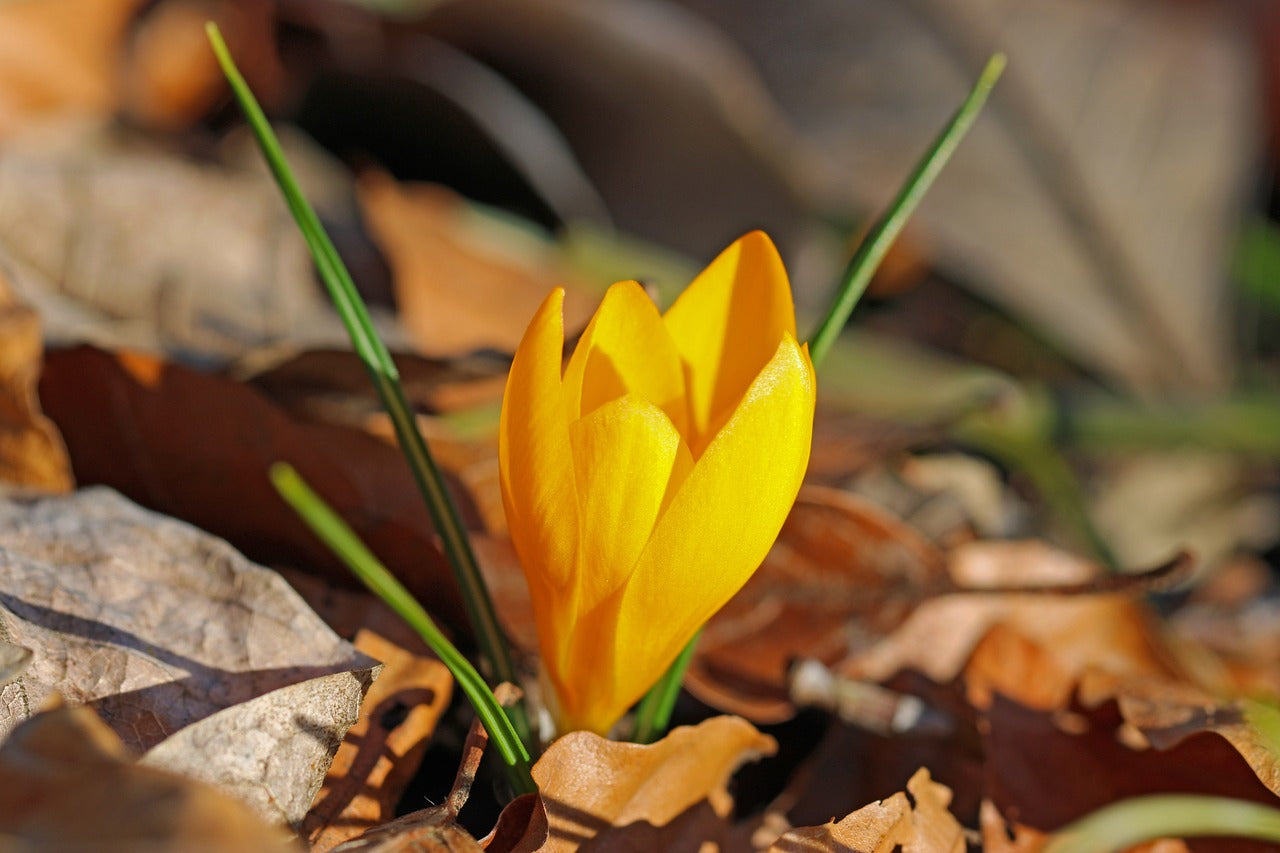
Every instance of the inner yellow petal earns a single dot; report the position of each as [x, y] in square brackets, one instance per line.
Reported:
[726, 326]
[625, 350]
[623, 455]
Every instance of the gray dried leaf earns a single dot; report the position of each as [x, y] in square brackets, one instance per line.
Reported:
[128, 247]
[210, 665]
[1094, 195]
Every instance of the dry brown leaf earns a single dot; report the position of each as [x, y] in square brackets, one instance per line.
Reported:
[382, 751]
[917, 822]
[182, 442]
[842, 573]
[460, 288]
[170, 76]
[1045, 769]
[209, 664]
[596, 794]
[1113, 632]
[113, 243]
[31, 451]
[59, 57]
[70, 784]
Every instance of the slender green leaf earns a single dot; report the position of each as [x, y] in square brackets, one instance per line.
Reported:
[344, 542]
[1133, 821]
[386, 379]
[886, 229]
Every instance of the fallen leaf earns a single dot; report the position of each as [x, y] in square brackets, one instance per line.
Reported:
[380, 753]
[209, 664]
[1045, 769]
[1093, 196]
[914, 822]
[111, 244]
[1110, 632]
[31, 451]
[176, 440]
[59, 57]
[170, 77]
[595, 794]
[70, 784]
[458, 286]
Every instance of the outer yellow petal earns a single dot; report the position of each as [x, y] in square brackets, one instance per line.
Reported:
[726, 326]
[719, 526]
[625, 349]
[539, 491]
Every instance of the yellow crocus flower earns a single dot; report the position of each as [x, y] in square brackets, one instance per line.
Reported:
[646, 482]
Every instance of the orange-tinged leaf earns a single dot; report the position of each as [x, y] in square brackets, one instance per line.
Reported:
[914, 823]
[602, 795]
[456, 292]
[31, 451]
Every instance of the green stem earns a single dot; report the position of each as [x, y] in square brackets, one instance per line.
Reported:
[342, 540]
[386, 379]
[653, 714]
[887, 228]
[1130, 822]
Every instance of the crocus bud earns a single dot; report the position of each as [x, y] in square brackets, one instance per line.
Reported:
[645, 482]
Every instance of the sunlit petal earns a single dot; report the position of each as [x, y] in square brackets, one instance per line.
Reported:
[539, 492]
[726, 326]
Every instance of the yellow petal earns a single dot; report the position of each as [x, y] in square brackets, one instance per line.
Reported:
[623, 454]
[625, 349]
[719, 526]
[539, 491]
[726, 326]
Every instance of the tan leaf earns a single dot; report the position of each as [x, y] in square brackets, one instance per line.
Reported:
[209, 664]
[383, 750]
[59, 56]
[459, 290]
[596, 794]
[1111, 632]
[918, 823]
[70, 784]
[31, 451]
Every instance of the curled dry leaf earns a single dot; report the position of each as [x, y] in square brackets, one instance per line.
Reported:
[1111, 632]
[458, 285]
[178, 440]
[596, 794]
[59, 57]
[31, 451]
[382, 751]
[842, 574]
[114, 246]
[1047, 768]
[209, 664]
[70, 784]
[913, 822]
